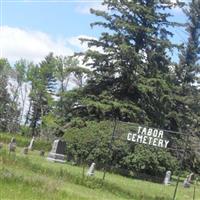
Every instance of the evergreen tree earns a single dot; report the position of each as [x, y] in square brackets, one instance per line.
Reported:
[186, 80]
[187, 93]
[131, 72]
[43, 83]
[8, 108]
[68, 71]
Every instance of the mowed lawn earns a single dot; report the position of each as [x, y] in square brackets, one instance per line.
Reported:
[31, 177]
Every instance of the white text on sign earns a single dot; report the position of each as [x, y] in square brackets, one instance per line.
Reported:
[148, 136]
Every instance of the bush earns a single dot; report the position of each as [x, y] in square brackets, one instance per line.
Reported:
[91, 143]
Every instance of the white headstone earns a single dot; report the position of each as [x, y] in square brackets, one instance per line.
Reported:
[190, 178]
[13, 140]
[167, 178]
[186, 183]
[90, 171]
[12, 145]
[30, 147]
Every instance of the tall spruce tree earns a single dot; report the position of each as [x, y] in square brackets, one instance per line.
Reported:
[130, 72]
[188, 68]
[187, 94]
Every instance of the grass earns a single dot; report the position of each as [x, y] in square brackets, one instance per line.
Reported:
[24, 141]
[31, 177]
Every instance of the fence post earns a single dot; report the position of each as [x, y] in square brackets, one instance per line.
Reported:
[181, 166]
[194, 192]
[110, 145]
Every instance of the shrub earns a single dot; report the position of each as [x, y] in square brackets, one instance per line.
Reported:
[91, 143]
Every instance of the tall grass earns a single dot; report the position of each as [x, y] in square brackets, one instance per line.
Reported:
[24, 141]
[67, 182]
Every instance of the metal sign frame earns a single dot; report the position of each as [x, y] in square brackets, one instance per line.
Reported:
[184, 150]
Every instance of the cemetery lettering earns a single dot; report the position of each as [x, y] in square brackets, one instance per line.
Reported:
[148, 136]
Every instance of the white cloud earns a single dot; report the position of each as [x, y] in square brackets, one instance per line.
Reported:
[18, 43]
[76, 42]
[85, 8]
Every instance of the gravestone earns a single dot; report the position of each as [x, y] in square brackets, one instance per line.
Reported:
[13, 140]
[191, 177]
[42, 152]
[90, 171]
[12, 145]
[186, 183]
[30, 147]
[1, 145]
[167, 178]
[25, 150]
[57, 152]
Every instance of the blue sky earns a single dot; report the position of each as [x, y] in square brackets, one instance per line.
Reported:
[67, 19]
[32, 29]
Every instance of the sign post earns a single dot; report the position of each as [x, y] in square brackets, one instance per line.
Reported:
[181, 166]
[155, 137]
[152, 137]
[110, 145]
[194, 192]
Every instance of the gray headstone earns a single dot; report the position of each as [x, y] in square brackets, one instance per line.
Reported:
[11, 147]
[90, 171]
[30, 147]
[167, 178]
[191, 177]
[42, 152]
[1, 145]
[13, 140]
[186, 183]
[25, 150]
[58, 151]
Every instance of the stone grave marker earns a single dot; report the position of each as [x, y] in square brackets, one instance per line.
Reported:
[42, 152]
[12, 145]
[90, 171]
[25, 150]
[191, 177]
[186, 183]
[13, 140]
[57, 152]
[30, 147]
[167, 178]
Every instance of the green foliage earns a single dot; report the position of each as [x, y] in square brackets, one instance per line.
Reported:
[65, 107]
[9, 112]
[92, 143]
[150, 161]
[132, 79]
[49, 126]
[43, 83]
[131, 75]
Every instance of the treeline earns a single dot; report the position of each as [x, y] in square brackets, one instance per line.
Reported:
[32, 95]
[133, 77]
